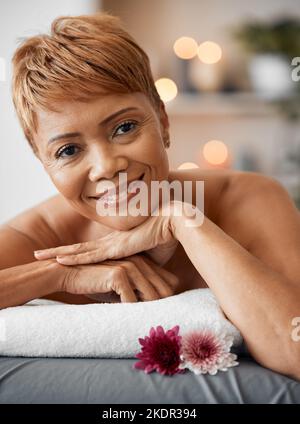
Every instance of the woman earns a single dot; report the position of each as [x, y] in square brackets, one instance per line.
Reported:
[88, 106]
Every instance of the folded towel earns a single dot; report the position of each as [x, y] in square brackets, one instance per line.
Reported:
[109, 330]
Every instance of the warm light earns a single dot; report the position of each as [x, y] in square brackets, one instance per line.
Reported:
[209, 52]
[188, 165]
[166, 88]
[215, 152]
[185, 47]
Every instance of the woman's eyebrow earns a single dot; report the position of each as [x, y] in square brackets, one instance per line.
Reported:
[105, 121]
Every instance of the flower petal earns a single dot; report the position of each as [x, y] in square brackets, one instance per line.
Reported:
[152, 332]
[160, 330]
[142, 341]
[139, 365]
[148, 369]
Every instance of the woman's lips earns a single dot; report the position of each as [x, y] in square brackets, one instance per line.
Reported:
[119, 197]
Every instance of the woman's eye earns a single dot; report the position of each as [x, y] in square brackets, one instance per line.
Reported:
[125, 127]
[66, 151]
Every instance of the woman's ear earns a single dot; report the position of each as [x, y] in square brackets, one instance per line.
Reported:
[164, 124]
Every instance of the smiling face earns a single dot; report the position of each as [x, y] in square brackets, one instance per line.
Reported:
[83, 144]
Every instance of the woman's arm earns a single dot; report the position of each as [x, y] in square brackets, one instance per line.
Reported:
[22, 283]
[258, 300]
[17, 249]
[22, 280]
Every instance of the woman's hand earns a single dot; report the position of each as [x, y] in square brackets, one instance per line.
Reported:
[132, 279]
[153, 236]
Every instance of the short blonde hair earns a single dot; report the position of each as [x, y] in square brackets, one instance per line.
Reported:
[82, 57]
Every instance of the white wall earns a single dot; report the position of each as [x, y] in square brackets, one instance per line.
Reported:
[23, 181]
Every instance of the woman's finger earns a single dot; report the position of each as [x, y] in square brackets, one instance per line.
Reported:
[65, 250]
[115, 245]
[120, 284]
[90, 257]
[121, 245]
[169, 277]
[163, 289]
[146, 291]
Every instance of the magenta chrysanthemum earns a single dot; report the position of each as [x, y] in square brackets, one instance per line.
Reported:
[160, 351]
[203, 352]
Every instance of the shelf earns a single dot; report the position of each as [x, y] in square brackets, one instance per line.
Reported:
[220, 104]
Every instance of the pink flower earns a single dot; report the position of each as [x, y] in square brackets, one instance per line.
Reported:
[160, 351]
[204, 351]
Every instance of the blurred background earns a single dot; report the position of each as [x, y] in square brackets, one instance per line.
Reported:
[228, 72]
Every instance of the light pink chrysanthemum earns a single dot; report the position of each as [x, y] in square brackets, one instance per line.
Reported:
[204, 351]
[160, 351]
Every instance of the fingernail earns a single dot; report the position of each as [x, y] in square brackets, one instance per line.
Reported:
[37, 252]
[60, 258]
[63, 260]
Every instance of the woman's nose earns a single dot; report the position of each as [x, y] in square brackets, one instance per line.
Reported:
[104, 163]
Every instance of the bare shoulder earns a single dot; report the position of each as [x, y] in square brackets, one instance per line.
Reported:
[247, 196]
[258, 212]
[216, 182]
[243, 183]
[252, 194]
[50, 223]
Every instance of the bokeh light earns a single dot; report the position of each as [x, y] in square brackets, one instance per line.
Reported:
[209, 52]
[188, 165]
[185, 48]
[166, 88]
[215, 152]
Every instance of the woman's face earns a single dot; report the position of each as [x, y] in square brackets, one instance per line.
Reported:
[84, 144]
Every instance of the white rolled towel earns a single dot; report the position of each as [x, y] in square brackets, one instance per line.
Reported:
[106, 330]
